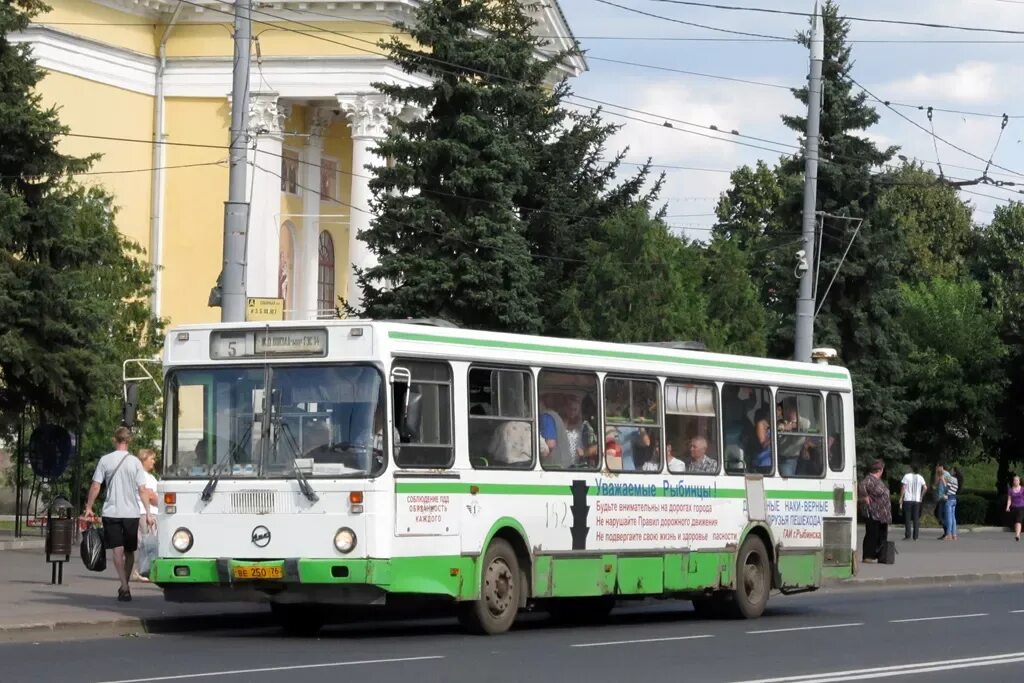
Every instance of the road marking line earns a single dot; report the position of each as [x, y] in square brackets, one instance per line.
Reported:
[951, 616]
[1017, 611]
[806, 628]
[237, 672]
[644, 640]
[896, 670]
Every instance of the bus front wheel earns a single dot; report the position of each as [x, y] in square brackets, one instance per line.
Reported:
[753, 579]
[495, 610]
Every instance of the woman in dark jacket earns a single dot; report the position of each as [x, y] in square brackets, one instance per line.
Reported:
[877, 510]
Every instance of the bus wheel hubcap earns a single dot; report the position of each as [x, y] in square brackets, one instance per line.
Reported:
[498, 586]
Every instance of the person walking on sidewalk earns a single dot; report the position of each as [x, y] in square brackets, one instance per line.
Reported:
[950, 486]
[1015, 505]
[147, 505]
[125, 480]
[874, 495]
[911, 495]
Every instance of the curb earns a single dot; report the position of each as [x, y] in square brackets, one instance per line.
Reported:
[30, 544]
[136, 625]
[944, 579]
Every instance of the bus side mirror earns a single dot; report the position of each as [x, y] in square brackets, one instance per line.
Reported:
[130, 404]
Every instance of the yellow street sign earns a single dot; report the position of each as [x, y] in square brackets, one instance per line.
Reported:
[264, 309]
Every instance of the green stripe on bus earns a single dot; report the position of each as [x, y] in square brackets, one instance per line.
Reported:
[453, 488]
[621, 355]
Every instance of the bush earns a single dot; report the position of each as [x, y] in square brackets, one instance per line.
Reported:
[971, 509]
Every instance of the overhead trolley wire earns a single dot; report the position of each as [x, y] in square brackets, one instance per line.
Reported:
[870, 20]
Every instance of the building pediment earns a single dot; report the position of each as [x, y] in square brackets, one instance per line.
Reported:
[551, 22]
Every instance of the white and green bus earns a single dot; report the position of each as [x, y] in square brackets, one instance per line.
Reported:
[324, 465]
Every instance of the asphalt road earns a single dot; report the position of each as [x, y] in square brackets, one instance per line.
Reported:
[933, 634]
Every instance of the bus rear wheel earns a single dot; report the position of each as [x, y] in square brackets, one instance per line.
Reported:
[753, 579]
[495, 610]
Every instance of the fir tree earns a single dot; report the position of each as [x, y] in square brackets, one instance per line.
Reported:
[73, 293]
[485, 212]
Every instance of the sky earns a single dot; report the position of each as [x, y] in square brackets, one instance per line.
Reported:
[976, 77]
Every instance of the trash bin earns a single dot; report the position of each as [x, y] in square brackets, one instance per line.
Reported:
[60, 536]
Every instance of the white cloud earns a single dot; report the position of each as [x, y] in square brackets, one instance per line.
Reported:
[968, 83]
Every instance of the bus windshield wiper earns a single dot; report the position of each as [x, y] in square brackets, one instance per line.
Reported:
[304, 486]
[211, 484]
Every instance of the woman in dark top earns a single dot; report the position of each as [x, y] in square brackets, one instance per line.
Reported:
[1015, 505]
[874, 497]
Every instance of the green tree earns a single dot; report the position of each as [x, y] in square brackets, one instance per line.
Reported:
[641, 284]
[729, 289]
[484, 214]
[73, 292]
[569, 193]
[934, 223]
[955, 371]
[449, 240]
[858, 314]
[998, 263]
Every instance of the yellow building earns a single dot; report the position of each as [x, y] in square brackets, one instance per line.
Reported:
[147, 84]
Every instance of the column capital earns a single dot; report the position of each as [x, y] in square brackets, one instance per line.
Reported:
[320, 120]
[267, 114]
[367, 114]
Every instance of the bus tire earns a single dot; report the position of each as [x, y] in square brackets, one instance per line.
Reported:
[297, 620]
[495, 610]
[753, 579]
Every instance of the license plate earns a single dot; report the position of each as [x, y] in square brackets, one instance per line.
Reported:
[257, 572]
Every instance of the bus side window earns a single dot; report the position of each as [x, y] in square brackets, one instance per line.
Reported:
[426, 438]
[567, 417]
[691, 428]
[834, 425]
[632, 424]
[747, 426]
[500, 418]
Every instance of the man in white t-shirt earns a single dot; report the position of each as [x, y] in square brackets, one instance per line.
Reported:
[125, 480]
[911, 495]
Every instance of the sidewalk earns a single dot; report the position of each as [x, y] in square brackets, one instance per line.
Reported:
[30, 608]
[86, 603]
[984, 554]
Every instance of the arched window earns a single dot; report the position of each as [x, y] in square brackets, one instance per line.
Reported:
[325, 298]
[286, 267]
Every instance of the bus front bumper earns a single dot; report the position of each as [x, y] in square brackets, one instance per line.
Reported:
[337, 581]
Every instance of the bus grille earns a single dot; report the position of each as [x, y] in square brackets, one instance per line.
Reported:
[254, 502]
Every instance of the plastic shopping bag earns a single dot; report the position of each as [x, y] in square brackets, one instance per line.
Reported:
[147, 552]
[94, 555]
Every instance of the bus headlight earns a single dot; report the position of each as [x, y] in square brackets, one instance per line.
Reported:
[182, 540]
[345, 540]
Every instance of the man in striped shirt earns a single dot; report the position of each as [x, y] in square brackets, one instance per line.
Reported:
[911, 495]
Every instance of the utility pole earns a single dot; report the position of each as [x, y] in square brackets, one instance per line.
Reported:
[804, 337]
[236, 209]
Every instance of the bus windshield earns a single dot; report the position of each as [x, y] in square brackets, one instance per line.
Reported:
[322, 421]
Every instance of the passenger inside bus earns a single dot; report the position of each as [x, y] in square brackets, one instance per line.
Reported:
[567, 439]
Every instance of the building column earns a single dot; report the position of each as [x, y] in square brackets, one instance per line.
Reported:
[368, 119]
[266, 117]
[307, 258]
